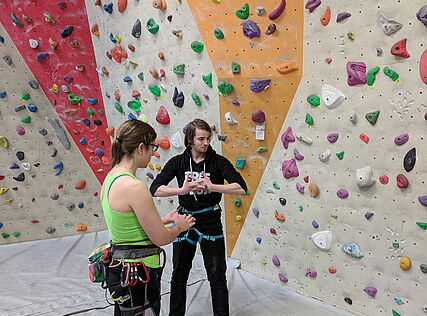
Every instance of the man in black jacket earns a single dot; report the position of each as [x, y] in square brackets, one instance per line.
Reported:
[200, 173]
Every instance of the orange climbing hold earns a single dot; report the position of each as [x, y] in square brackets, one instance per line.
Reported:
[161, 55]
[326, 17]
[160, 4]
[131, 48]
[81, 228]
[135, 94]
[95, 29]
[279, 217]
[118, 53]
[53, 45]
[70, 112]
[154, 73]
[76, 131]
[117, 94]
[105, 71]
[81, 185]
[105, 161]
[98, 2]
[156, 154]
[313, 189]
[122, 4]
[163, 142]
[110, 131]
[287, 67]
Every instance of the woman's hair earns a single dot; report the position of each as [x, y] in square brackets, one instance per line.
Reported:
[190, 132]
[128, 137]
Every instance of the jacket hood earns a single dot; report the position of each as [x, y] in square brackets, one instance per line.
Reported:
[209, 153]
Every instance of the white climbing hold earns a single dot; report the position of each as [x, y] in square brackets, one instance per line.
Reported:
[353, 118]
[331, 96]
[26, 166]
[304, 138]
[388, 25]
[33, 43]
[364, 177]
[324, 155]
[176, 140]
[322, 239]
[100, 72]
[230, 119]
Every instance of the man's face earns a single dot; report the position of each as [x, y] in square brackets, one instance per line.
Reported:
[201, 141]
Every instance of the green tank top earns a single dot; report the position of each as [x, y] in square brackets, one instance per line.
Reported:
[125, 227]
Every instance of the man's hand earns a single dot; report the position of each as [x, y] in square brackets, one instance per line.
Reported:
[206, 182]
[194, 185]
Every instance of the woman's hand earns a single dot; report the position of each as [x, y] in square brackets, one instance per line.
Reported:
[184, 222]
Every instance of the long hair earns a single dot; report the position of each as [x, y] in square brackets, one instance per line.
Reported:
[190, 132]
[128, 137]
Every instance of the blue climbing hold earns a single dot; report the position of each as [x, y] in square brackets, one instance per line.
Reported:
[300, 208]
[353, 249]
[1, 224]
[132, 117]
[82, 141]
[2, 39]
[258, 240]
[92, 101]
[14, 166]
[112, 38]
[315, 225]
[108, 8]
[58, 165]
[81, 205]
[127, 79]
[99, 152]
[2, 94]
[32, 108]
[41, 56]
[86, 121]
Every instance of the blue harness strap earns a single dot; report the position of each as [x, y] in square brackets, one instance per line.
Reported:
[206, 209]
[201, 236]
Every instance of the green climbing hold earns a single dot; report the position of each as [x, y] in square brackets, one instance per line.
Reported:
[4, 235]
[423, 268]
[118, 107]
[395, 313]
[26, 119]
[235, 67]
[197, 46]
[154, 89]
[16, 234]
[243, 12]
[396, 245]
[422, 225]
[340, 155]
[20, 205]
[391, 73]
[371, 75]
[135, 105]
[90, 112]
[237, 202]
[16, 20]
[218, 33]
[208, 79]
[276, 185]
[225, 87]
[313, 99]
[179, 68]
[240, 162]
[196, 99]
[74, 99]
[25, 96]
[309, 119]
[152, 26]
[261, 149]
[141, 75]
[372, 117]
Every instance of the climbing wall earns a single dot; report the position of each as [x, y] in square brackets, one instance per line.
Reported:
[369, 226]
[142, 85]
[40, 165]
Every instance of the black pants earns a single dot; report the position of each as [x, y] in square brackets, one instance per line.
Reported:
[136, 293]
[214, 260]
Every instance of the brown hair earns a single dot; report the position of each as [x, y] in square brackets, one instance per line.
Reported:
[128, 137]
[190, 132]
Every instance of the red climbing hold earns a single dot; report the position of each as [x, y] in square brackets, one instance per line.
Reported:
[110, 131]
[163, 116]
[34, 221]
[306, 179]
[122, 4]
[163, 142]
[399, 49]
[402, 181]
[95, 194]
[364, 137]
[383, 179]
[81, 185]
[60, 186]
[1, 177]
[118, 53]
[423, 67]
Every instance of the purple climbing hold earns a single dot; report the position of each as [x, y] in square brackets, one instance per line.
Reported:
[258, 116]
[235, 102]
[297, 155]
[20, 130]
[68, 78]
[342, 16]
[256, 212]
[371, 291]
[99, 152]
[49, 142]
[150, 175]
[368, 215]
[283, 278]
[401, 139]
[423, 200]
[273, 231]
[312, 4]
[300, 188]
[62, 5]
[342, 193]
[206, 96]
[109, 55]
[86, 121]
[258, 85]
[41, 56]
[287, 137]
[333, 137]
[184, 129]
[14, 166]
[311, 272]
[290, 169]
[276, 261]
[251, 29]
[315, 225]
[356, 72]
[422, 15]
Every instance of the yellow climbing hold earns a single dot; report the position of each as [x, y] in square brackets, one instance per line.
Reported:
[405, 263]
[239, 217]
[100, 170]
[133, 63]
[143, 118]
[118, 38]
[334, 215]
[48, 18]
[264, 262]
[158, 167]
[4, 142]
[150, 165]
[9, 200]
[3, 190]
[55, 88]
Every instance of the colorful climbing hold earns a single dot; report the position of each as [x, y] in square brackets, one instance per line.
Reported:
[237, 202]
[399, 49]
[80, 185]
[356, 72]
[371, 76]
[290, 169]
[218, 33]
[372, 117]
[225, 87]
[309, 119]
[405, 263]
[314, 100]
[392, 74]
[152, 26]
[326, 17]
[196, 99]
[251, 29]
[409, 160]
[197, 46]
[163, 116]
[340, 155]
[179, 68]
[16, 20]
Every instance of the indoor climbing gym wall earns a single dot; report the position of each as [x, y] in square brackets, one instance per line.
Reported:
[52, 123]
[340, 213]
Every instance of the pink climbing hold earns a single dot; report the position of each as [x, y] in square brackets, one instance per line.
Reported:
[258, 116]
[290, 168]
[328, 60]
[311, 272]
[297, 155]
[163, 116]
[333, 137]
[423, 67]
[20, 130]
[371, 291]
[287, 137]
[356, 72]
[276, 261]
[283, 278]
[273, 231]
[342, 193]
[300, 188]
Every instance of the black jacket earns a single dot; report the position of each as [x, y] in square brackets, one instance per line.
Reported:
[216, 167]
